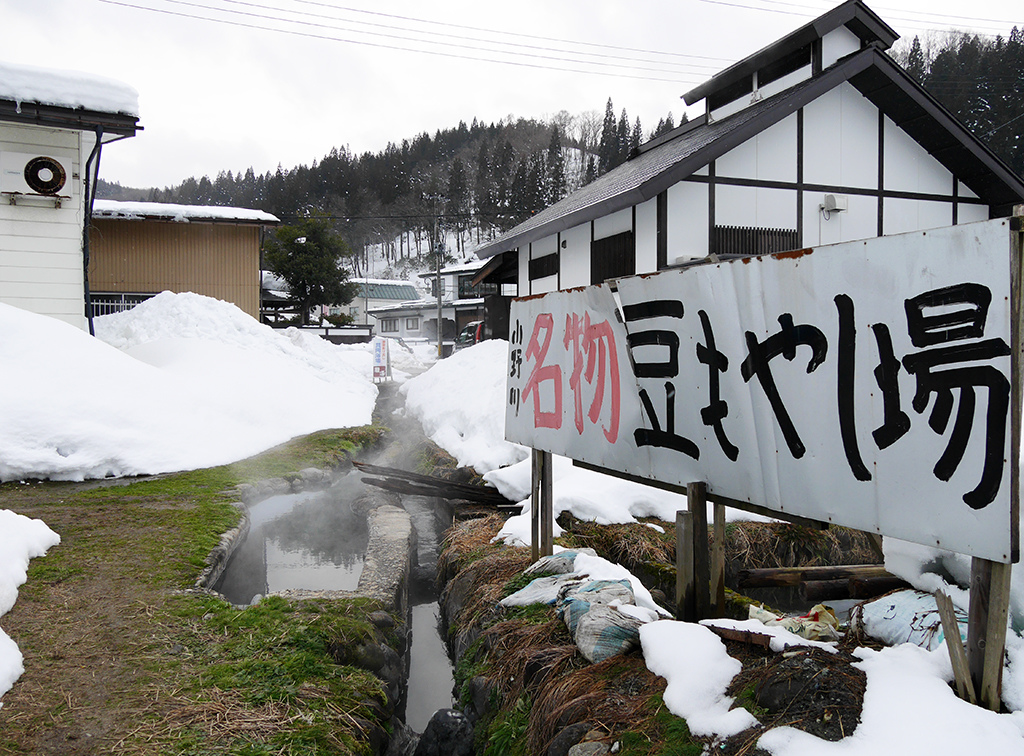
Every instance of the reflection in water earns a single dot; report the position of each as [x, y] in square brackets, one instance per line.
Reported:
[430, 670]
[310, 541]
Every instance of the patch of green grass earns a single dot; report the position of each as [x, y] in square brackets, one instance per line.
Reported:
[748, 700]
[660, 733]
[506, 732]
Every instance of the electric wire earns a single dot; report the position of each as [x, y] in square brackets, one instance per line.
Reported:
[621, 71]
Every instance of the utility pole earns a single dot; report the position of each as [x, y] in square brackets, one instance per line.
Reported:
[437, 287]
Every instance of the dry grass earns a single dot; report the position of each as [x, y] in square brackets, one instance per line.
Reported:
[524, 657]
[762, 544]
[628, 543]
[612, 696]
[468, 540]
[223, 717]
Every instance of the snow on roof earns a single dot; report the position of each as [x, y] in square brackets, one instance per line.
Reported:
[469, 267]
[67, 89]
[178, 213]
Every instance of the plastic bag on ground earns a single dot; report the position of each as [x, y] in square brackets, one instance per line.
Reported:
[818, 624]
[603, 632]
[543, 590]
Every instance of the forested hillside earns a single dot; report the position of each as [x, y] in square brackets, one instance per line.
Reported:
[475, 181]
[469, 182]
[981, 80]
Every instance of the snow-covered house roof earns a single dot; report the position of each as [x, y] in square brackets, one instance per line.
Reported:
[67, 99]
[115, 210]
[470, 267]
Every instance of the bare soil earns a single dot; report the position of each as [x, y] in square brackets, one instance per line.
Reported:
[91, 638]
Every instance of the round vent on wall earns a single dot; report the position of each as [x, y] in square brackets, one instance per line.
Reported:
[45, 175]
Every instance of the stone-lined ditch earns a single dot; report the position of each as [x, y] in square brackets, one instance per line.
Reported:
[323, 534]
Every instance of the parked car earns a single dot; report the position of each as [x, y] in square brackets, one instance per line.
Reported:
[473, 333]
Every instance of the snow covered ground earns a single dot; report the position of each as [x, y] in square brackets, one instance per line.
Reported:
[174, 371]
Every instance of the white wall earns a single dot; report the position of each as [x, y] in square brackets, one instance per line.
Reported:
[837, 44]
[687, 221]
[909, 167]
[41, 246]
[841, 139]
[575, 260]
[647, 236]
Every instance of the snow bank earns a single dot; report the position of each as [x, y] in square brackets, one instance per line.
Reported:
[21, 539]
[460, 403]
[179, 382]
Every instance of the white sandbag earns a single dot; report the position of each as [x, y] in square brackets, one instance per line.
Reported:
[557, 564]
[907, 616]
[543, 590]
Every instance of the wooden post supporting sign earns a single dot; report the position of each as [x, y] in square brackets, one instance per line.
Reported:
[542, 523]
[697, 504]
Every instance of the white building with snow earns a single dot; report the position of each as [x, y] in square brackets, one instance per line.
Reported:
[53, 126]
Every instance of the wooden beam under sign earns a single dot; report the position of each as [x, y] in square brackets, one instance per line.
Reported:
[745, 506]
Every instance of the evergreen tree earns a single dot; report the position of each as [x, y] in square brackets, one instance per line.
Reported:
[308, 256]
[915, 60]
[608, 147]
[622, 139]
[556, 187]
[590, 174]
[635, 138]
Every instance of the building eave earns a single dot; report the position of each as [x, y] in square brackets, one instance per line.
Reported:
[74, 119]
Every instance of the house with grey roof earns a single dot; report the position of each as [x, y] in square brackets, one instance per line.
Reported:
[462, 302]
[820, 137]
[373, 293]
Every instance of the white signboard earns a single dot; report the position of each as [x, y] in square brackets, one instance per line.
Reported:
[865, 384]
[381, 359]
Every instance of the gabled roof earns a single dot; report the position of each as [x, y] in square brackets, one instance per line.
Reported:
[853, 14]
[672, 158]
[67, 100]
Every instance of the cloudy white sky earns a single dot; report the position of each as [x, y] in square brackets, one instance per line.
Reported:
[229, 84]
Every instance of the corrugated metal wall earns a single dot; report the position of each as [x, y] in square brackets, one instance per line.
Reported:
[218, 260]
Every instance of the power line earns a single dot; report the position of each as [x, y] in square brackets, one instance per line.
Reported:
[679, 79]
[508, 33]
[271, 17]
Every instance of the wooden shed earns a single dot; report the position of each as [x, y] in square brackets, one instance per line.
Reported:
[142, 248]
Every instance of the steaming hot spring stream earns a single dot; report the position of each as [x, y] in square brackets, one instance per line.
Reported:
[314, 541]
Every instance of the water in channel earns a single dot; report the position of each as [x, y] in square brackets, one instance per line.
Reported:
[305, 540]
[314, 541]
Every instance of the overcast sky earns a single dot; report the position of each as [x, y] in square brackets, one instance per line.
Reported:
[229, 84]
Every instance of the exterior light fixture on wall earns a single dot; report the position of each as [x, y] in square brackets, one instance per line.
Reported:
[833, 203]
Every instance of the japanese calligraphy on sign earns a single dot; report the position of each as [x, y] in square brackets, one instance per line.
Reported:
[866, 384]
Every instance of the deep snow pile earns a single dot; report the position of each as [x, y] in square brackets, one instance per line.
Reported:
[180, 382]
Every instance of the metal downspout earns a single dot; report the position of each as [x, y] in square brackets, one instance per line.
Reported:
[91, 176]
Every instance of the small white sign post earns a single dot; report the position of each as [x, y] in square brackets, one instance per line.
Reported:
[381, 360]
[866, 384]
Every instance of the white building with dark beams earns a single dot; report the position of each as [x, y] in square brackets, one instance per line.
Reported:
[818, 138]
